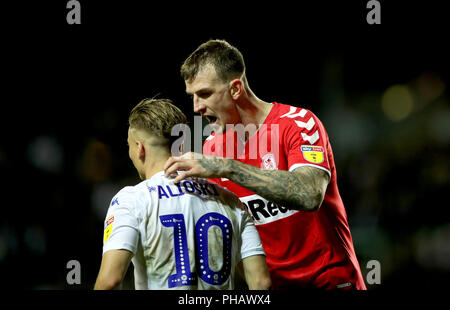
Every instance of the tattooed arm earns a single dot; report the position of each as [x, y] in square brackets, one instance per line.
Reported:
[302, 189]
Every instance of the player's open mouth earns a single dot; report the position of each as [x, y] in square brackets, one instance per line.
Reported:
[211, 119]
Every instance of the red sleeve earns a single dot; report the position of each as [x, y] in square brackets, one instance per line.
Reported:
[305, 141]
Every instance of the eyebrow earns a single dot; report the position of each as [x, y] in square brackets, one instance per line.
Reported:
[205, 89]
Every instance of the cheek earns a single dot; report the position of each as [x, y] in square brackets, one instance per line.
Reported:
[229, 112]
[130, 154]
[225, 107]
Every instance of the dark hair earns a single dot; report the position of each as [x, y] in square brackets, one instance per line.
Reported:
[225, 58]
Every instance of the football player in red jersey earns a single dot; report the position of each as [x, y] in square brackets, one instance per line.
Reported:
[288, 182]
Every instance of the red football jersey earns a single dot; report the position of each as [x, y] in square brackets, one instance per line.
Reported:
[304, 249]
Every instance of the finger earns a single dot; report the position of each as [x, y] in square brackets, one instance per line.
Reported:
[168, 163]
[173, 169]
[182, 165]
[171, 161]
[182, 176]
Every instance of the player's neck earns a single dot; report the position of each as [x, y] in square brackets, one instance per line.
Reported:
[155, 165]
[252, 109]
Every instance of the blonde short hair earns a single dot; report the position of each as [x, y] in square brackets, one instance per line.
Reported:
[156, 117]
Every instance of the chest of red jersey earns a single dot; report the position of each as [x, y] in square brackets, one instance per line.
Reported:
[264, 150]
[277, 144]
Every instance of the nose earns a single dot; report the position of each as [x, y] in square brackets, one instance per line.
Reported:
[199, 106]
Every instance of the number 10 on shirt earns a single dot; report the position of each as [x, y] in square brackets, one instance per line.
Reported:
[184, 275]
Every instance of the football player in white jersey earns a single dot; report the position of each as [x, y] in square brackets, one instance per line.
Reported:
[188, 235]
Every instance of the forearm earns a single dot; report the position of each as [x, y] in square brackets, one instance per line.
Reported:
[113, 269]
[302, 189]
[256, 272]
[298, 191]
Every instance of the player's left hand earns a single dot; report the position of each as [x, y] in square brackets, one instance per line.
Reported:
[196, 165]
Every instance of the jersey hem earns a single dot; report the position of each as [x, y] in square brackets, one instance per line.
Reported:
[127, 247]
[294, 166]
[252, 253]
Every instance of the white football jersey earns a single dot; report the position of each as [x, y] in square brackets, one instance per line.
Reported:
[189, 235]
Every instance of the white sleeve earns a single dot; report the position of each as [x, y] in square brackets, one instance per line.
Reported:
[121, 229]
[251, 242]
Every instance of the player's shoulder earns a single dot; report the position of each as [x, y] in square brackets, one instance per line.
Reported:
[206, 187]
[133, 189]
[284, 113]
[292, 119]
[229, 198]
[129, 195]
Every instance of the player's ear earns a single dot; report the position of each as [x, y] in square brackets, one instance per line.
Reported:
[236, 88]
[140, 150]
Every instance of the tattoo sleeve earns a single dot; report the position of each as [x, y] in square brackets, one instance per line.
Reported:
[302, 189]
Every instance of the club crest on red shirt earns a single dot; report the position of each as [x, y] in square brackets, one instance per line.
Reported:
[268, 162]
